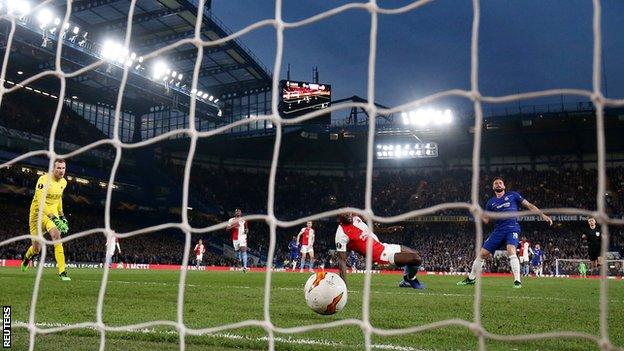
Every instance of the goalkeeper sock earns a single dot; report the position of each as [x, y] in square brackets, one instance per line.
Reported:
[515, 267]
[476, 268]
[29, 253]
[245, 259]
[59, 255]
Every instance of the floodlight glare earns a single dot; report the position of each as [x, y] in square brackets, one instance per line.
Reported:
[180, 76]
[44, 17]
[205, 96]
[18, 7]
[424, 117]
[210, 98]
[447, 116]
[421, 117]
[76, 30]
[159, 69]
[216, 100]
[113, 51]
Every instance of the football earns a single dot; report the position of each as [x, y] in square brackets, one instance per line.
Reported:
[325, 293]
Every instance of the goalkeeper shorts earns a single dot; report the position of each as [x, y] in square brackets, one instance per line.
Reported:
[46, 225]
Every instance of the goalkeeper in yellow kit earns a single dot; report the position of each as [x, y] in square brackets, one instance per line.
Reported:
[53, 220]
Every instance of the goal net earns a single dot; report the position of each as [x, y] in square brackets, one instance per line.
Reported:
[572, 266]
[374, 9]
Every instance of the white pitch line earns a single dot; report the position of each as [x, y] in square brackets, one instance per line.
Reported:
[229, 336]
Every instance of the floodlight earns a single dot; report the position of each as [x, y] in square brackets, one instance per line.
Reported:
[159, 69]
[44, 17]
[216, 100]
[210, 98]
[18, 7]
[205, 96]
[76, 30]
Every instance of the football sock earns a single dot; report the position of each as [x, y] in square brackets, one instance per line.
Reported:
[29, 253]
[302, 263]
[410, 272]
[476, 268]
[310, 264]
[245, 259]
[515, 267]
[59, 255]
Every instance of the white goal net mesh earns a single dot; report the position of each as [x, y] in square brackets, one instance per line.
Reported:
[368, 330]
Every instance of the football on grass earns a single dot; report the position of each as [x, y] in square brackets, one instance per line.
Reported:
[325, 293]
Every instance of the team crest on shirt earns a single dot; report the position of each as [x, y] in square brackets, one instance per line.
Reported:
[597, 233]
[506, 198]
[40, 186]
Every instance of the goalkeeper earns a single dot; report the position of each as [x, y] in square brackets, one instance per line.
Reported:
[53, 221]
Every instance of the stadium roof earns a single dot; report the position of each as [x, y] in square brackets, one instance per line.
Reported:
[227, 68]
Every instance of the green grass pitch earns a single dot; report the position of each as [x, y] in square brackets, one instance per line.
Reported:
[216, 298]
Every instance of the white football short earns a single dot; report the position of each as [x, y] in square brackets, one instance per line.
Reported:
[524, 258]
[199, 258]
[110, 249]
[307, 249]
[241, 242]
[389, 251]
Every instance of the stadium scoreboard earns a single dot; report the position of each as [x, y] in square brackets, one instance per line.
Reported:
[300, 98]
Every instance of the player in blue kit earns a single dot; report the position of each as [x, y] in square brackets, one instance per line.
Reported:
[537, 261]
[353, 260]
[293, 247]
[506, 230]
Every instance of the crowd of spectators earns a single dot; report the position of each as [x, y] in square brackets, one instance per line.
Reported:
[301, 194]
[18, 112]
[446, 246]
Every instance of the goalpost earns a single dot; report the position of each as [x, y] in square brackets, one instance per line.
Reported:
[570, 266]
[374, 9]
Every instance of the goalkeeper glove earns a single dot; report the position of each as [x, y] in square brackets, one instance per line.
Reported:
[61, 224]
[65, 224]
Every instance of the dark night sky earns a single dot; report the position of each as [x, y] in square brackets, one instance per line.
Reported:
[524, 46]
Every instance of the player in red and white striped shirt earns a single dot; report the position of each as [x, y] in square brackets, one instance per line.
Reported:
[353, 233]
[306, 239]
[199, 252]
[239, 228]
